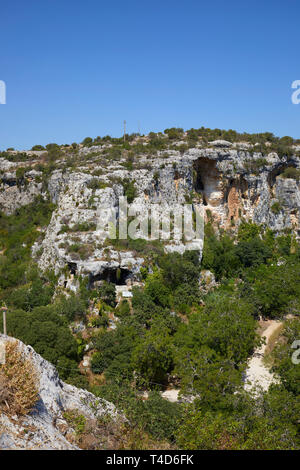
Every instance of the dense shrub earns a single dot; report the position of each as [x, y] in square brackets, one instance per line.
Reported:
[291, 172]
[129, 189]
[288, 370]
[273, 290]
[107, 292]
[45, 330]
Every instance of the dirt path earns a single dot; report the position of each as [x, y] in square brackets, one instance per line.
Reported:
[257, 373]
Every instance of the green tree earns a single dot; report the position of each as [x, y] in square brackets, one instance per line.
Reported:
[153, 356]
[107, 292]
[288, 370]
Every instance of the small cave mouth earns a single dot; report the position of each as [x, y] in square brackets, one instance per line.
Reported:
[199, 186]
[117, 276]
[205, 174]
[177, 175]
[72, 268]
[9, 182]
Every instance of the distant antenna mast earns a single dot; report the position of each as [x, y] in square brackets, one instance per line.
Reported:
[124, 131]
[139, 128]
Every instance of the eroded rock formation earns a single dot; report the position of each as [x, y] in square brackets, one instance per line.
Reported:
[45, 427]
[228, 184]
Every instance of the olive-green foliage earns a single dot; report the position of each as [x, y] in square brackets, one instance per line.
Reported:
[37, 292]
[79, 227]
[143, 247]
[20, 176]
[16, 157]
[53, 152]
[287, 369]
[152, 357]
[156, 290]
[276, 207]
[273, 290]
[129, 189]
[72, 307]
[123, 309]
[254, 166]
[185, 296]
[100, 321]
[213, 347]
[38, 147]
[114, 349]
[291, 172]
[226, 259]
[107, 292]
[45, 330]
[174, 133]
[219, 255]
[156, 416]
[28, 293]
[269, 423]
[252, 252]
[95, 183]
[87, 140]
[17, 234]
[247, 231]
[143, 306]
[178, 270]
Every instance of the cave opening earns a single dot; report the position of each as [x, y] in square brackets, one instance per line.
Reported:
[199, 186]
[9, 182]
[117, 276]
[205, 178]
[72, 268]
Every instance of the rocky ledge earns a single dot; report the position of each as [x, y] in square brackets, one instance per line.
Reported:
[45, 427]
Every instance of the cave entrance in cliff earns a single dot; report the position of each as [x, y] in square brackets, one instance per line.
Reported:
[205, 174]
[117, 276]
[72, 268]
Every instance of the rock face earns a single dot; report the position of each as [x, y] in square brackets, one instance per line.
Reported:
[225, 182]
[13, 194]
[45, 427]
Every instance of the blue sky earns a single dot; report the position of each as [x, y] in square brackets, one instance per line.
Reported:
[79, 68]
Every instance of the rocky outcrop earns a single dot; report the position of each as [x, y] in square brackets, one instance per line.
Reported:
[225, 182]
[13, 193]
[45, 427]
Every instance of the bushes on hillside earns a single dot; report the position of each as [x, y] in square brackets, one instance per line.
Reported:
[107, 292]
[45, 330]
[291, 172]
[273, 290]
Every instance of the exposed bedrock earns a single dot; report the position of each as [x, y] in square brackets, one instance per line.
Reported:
[228, 184]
